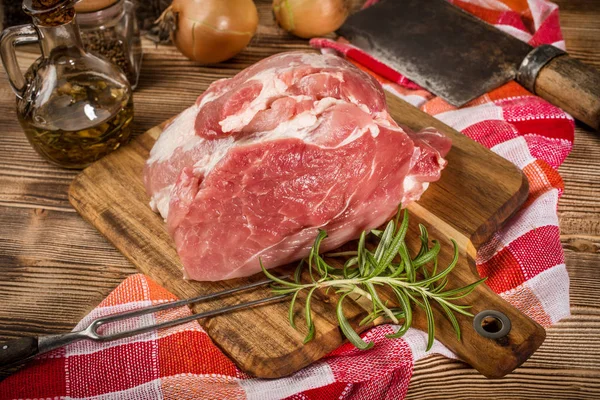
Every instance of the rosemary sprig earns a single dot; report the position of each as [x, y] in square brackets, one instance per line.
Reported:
[366, 272]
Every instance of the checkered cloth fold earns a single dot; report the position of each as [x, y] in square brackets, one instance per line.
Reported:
[524, 263]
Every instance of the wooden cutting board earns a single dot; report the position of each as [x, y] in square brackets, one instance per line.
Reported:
[477, 193]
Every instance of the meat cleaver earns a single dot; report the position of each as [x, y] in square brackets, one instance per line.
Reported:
[459, 57]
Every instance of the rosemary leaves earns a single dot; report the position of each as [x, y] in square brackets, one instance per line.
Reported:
[413, 280]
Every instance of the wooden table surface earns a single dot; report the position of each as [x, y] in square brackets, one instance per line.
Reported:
[54, 267]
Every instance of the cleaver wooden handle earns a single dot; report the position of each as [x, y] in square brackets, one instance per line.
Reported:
[573, 86]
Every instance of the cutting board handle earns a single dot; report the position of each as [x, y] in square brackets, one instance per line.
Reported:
[495, 345]
[573, 86]
[496, 341]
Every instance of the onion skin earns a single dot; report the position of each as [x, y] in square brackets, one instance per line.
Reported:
[211, 31]
[310, 18]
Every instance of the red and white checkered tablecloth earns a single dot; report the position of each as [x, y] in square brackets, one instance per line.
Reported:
[524, 263]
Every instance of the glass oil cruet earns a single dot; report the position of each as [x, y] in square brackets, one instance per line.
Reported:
[73, 106]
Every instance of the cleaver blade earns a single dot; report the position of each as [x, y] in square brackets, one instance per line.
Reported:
[460, 57]
[438, 46]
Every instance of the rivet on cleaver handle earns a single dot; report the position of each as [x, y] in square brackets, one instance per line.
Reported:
[459, 57]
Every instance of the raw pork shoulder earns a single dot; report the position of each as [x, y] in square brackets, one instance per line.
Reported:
[296, 142]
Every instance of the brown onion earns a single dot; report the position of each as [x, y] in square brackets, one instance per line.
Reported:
[84, 6]
[310, 18]
[211, 31]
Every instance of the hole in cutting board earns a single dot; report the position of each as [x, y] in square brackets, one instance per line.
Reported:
[492, 324]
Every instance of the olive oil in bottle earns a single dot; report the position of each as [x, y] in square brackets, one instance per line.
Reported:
[73, 106]
[85, 117]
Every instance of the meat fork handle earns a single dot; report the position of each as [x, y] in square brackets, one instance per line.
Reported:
[16, 350]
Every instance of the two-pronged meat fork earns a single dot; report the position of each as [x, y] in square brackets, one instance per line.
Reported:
[18, 350]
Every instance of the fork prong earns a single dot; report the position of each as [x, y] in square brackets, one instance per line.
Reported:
[189, 318]
[95, 324]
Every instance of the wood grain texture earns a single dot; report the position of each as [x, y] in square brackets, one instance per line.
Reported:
[34, 301]
[478, 191]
